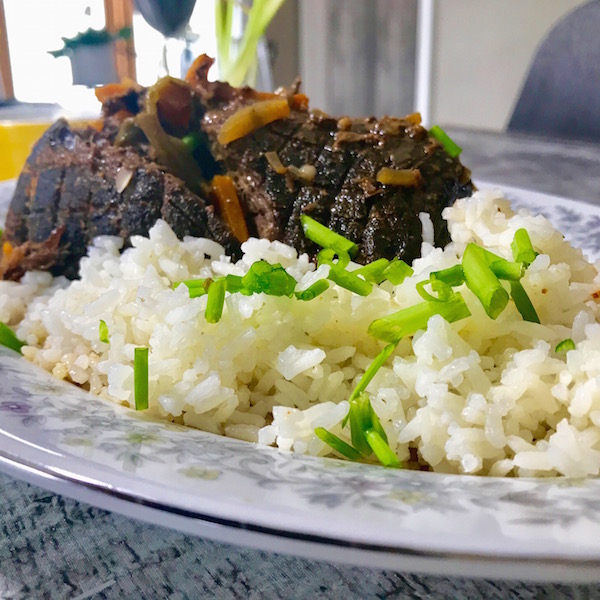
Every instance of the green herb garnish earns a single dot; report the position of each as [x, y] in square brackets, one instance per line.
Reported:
[337, 444]
[349, 280]
[196, 287]
[263, 277]
[481, 280]
[453, 276]
[140, 378]
[397, 271]
[414, 318]
[374, 271]
[523, 302]
[216, 300]
[565, 345]
[314, 290]
[103, 332]
[521, 247]
[326, 238]
[443, 138]
[382, 450]
[9, 339]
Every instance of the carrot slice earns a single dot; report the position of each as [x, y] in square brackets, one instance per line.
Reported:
[111, 90]
[399, 177]
[228, 203]
[253, 117]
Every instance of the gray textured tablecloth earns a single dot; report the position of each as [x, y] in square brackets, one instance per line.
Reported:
[54, 547]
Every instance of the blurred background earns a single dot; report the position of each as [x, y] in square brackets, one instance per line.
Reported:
[461, 63]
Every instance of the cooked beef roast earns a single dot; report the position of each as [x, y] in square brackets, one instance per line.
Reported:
[80, 183]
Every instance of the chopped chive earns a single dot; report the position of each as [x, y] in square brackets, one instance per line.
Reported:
[397, 271]
[215, 301]
[420, 287]
[481, 280]
[337, 444]
[372, 369]
[327, 256]
[9, 339]
[374, 271]
[502, 268]
[311, 292]
[376, 423]
[453, 276]
[325, 237]
[443, 290]
[191, 283]
[410, 320]
[196, 287]
[510, 271]
[360, 421]
[103, 332]
[234, 283]
[522, 248]
[523, 302]
[263, 277]
[349, 280]
[452, 148]
[565, 345]
[382, 450]
[140, 378]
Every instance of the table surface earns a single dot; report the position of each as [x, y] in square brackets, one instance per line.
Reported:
[54, 547]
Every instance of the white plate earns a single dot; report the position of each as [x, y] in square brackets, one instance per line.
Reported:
[59, 437]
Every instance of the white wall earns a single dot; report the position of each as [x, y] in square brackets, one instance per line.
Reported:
[482, 51]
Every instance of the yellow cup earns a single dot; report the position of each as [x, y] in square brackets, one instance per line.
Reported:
[16, 141]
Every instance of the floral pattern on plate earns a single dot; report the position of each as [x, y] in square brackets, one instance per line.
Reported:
[56, 427]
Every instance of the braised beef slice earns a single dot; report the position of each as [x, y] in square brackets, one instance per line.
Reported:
[78, 184]
[67, 194]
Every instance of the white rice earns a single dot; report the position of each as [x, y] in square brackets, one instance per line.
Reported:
[477, 396]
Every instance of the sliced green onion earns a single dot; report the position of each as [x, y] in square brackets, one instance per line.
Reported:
[337, 444]
[374, 271]
[397, 271]
[453, 276]
[510, 271]
[311, 292]
[325, 237]
[263, 277]
[140, 378]
[216, 300]
[196, 287]
[502, 268]
[234, 283]
[372, 369]
[522, 248]
[414, 318]
[9, 339]
[452, 148]
[481, 280]
[443, 290]
[349, 280]
[523, 302]
[328, 255]
[103, 332]
[377, 423]
[565, 345]
[382, 450]
[360, 422]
